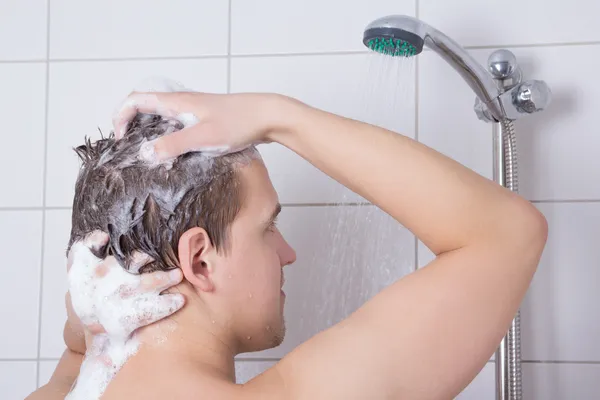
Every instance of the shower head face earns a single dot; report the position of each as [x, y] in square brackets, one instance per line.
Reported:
[395, 35]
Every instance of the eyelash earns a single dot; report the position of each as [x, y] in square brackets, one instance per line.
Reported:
[272, 226]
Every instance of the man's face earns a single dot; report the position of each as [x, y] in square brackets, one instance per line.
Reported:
[251, 277]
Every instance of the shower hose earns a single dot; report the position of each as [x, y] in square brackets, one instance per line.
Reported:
[513, 337]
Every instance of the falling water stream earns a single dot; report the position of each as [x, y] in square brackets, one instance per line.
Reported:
[359, 249]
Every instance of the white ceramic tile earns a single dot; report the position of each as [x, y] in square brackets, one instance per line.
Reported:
[20, 246]
[350, 85]
[17, 379]
[22, 111]
[447, 121]
[46, 370]
[345, 255]
[271, 26]
[54, 314]
[559, 320]
[137, 28]
[561, 381]
[503, 22]
[247, 370]
[425, 255]
[23, 29]
[553, 146]
[83, 97]
[560, 144]
[483, 387]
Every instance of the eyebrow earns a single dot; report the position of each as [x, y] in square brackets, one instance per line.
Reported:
[274, 215]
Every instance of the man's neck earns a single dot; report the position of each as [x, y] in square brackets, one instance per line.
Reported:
[193, 338]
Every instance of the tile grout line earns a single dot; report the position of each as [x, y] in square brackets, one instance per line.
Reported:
[560, 362]
[229, 49]
[32, 61]
[564, 201]
[534, 45]
[261, 55]
[44, 174]
[274, 55]
[416, 131]
[316, 204]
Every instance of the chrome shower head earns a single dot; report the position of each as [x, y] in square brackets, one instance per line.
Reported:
[401, 35]
[394, 35]
[389, 34]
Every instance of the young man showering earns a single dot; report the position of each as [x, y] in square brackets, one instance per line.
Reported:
[212, 219]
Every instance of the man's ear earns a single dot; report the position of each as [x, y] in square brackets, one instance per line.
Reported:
[194, 250]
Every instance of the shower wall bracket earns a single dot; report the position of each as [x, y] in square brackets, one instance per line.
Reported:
[516, 98]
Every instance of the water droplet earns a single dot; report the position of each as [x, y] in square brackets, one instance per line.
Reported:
[268, 328]
[213, 321]
[248, 337]
[249, 295]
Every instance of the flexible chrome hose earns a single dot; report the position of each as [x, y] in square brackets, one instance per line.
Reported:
[513, 338]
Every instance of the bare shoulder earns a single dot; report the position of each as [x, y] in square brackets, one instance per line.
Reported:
[269, 385]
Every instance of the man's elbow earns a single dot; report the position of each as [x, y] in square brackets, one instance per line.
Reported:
[528, 232]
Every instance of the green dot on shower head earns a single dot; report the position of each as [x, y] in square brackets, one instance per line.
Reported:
[392, 47]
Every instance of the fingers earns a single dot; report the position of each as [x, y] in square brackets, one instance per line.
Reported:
[95, 329]
[164, 306]
[151, 103]
[203, 137]
[161, 280]
[138, 260]
[96, 240]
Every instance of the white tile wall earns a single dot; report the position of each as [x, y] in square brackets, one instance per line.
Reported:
[247, 370]
[547, 141]
[508, 22]
[98, 52]
[17, 379]
[23, 29]
[137, 28]
[54, 314]
[22, 110]
[563, 297]
[20, 241]
[307, 26]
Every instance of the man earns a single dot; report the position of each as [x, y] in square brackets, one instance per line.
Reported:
[408, 342]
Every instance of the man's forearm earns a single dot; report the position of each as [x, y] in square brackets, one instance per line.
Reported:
[62, 380]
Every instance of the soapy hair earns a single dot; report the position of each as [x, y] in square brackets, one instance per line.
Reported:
[146, 207]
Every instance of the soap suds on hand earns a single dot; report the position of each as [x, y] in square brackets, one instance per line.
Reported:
[105, 294]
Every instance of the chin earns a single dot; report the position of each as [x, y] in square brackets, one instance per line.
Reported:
[266, 339]
[278, 337]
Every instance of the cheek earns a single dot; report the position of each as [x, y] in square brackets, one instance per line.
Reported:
[254, 270]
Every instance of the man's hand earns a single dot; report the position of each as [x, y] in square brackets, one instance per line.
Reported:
[109, 299]
[214, 124]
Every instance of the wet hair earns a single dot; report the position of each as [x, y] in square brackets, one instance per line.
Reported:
[146, 207]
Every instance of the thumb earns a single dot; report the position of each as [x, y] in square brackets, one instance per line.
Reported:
[201, 137]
